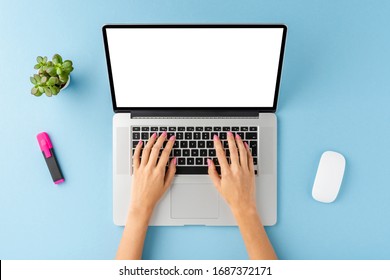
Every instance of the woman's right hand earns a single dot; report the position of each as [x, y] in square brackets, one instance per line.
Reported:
[237, 186]
[237, 181]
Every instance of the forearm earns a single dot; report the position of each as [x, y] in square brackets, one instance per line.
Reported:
[132, 242]
[255, 238]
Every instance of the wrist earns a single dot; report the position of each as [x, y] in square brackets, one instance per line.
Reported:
[140, 213]
[244, 212]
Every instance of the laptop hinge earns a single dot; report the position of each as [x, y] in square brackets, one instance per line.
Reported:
[195, 113]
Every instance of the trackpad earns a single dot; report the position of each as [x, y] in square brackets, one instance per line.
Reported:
[194, 201]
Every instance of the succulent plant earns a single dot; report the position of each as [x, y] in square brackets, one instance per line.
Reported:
[52, 75]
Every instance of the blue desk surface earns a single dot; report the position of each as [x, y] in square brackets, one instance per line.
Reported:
[335, 95]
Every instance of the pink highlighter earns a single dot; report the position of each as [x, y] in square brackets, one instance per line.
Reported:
[50, 158]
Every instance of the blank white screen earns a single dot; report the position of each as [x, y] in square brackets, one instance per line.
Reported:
[194, 67]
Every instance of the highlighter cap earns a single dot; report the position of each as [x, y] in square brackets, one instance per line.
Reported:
[45, 144]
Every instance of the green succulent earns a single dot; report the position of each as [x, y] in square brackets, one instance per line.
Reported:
[52, 75]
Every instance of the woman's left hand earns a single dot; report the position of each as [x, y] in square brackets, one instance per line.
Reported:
[150, 177]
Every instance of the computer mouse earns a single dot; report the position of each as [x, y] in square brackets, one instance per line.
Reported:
[329, 176]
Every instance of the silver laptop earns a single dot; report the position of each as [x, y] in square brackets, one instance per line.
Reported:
[194, 81]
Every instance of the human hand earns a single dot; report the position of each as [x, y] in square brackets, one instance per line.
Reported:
[237, 181]
[150, 180]
[237, 186]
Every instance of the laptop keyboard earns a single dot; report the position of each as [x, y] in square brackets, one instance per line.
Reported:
[194, 144]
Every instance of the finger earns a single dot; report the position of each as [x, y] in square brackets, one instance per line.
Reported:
[214, 175]
[156, 149]
[170, 174]
[233, 149]
[220, 153]
[136, 155]
[147, 149]
[242, 151]
[251, 167]
[162, 162]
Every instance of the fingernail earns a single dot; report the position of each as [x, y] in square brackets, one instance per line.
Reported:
[238, 136]
[140, 142]
[216, 137]
[164, 133]
[230, 133]
[173, 137]
[208, 162]
[174, 159]
[246, 145]
[154, 135]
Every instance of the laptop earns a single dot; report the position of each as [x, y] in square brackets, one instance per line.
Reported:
[194, 81]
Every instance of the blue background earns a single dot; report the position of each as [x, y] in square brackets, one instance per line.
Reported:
[334, 96]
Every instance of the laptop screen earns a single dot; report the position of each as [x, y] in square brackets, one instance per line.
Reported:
[191, 66]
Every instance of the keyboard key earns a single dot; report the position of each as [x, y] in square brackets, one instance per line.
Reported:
[136, 128]
[208, 128]
[186, 153]
[145, 129]
[235, 128]
[181, 161]
[253, 128]
[145, 135]
[194, 152]
[192, 144]
[190, 128]
[217, 128]
[199, 161]
[179, 135]
[205, 136]
[225, 128]
[154, 128]
[183, 144]
[177, 153]
[223, 135]
[253, 144]
[172, 128]
[203, 153]
[254, 152]
[212, 134]
[176, 145]
[216, 162]
[136, 136]
[198, 128]
[170, 134]
[190, 161]
[196, 135]
[212, 153]
[241, 134]
[244, 128]
[188, 135]
[210, 144]
[201, 144]
[251, 135]
[195, 169]
[181, 128]
[163, 128]
[225, 144]
[255, 161]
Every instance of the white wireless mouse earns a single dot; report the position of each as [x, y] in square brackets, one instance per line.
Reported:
[329, 177]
